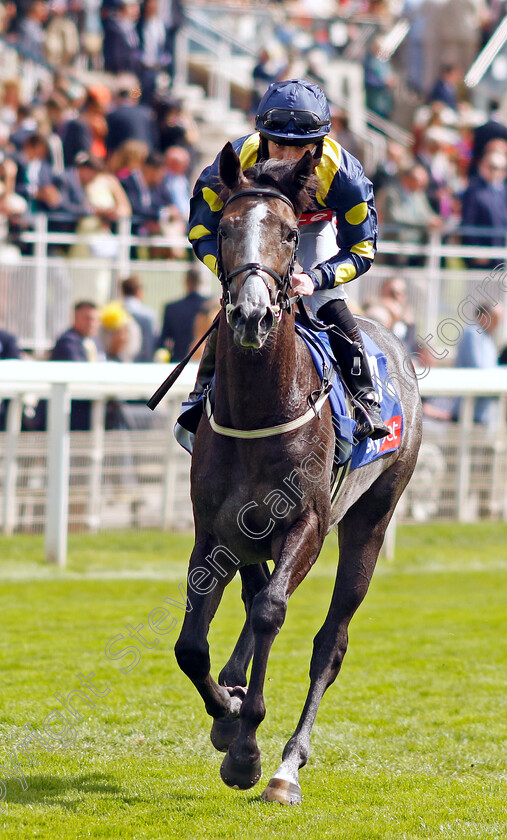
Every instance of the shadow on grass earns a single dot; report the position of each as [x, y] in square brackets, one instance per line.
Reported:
[51, 790]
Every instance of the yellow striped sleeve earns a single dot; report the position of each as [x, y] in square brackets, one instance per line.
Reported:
[249, 150]
[210, 262]
[327, 168]
[197, 232]
[344, 274]
[212, 200]
[364, 249]
[357, 214]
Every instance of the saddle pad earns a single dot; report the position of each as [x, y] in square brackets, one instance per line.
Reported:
[344, 425]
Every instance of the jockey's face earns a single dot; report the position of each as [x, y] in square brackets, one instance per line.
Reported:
[279, 152]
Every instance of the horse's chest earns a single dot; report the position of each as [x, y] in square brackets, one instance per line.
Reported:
[243, 500]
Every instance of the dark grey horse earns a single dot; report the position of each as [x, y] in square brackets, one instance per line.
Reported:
[262, 469]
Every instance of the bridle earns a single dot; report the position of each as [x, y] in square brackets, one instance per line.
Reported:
[283, 283]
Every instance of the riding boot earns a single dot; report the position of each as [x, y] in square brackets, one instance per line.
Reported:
[190, 418]
[350, 354]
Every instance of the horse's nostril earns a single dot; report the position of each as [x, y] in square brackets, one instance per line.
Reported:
[266, 323]
[237, 317]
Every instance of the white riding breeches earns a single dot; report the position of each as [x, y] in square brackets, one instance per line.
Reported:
[318, 243]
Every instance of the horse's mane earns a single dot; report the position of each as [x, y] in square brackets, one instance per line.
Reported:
[279, 175]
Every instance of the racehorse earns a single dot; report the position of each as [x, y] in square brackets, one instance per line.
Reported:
[252, 501]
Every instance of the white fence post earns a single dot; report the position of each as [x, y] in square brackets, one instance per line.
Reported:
[41, 284]
[96, 457]
[169, 489]
[466, 421]
[433, 279]
[57, 513]
[11, 464]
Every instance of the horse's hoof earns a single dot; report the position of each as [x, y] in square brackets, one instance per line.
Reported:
[223, 732]
[282, 791]
[238, 775]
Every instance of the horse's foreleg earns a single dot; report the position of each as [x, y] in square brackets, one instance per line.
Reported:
[233, 674]
[205, 587]
[253, 578]
[241, 766]
[361, 533]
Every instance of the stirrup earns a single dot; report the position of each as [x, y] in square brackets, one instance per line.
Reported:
[369, 422]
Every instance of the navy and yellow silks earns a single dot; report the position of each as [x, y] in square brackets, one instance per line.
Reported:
[344, 193]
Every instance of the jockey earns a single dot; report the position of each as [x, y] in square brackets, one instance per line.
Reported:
[338, 234]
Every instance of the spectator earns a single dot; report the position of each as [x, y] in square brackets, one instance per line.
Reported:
[393, 310]
[343, 134]
[458, 26]
[77, 344]
[145, 190]
[72, 187]
[121, 45]
[437, 154]
[203, 321]
[10, 102]
[379, 80]
[128, 157]
[174, 16]
[404, 203]
[176, 182]
[389, 169]
[103, 194]
[446, 87]
[8, 350]
[179, 317]
[31, 34]
[156, 43]
[9, 346]
[413, 49]
[130, 121]
[62, 36]
[88, 132]
[493, 129]
[11, 204]
[26, 124]
[477, 349]
[267, 70]
[485, 205]
[34, 178]
[176, 126]
[120, 335]
[132, 298]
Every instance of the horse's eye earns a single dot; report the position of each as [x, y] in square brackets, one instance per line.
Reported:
[223, 233]
[291, 235]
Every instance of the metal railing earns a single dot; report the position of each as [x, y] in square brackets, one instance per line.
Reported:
[138, 476]
[37, 291]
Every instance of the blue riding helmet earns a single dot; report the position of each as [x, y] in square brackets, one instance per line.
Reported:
[293, 113]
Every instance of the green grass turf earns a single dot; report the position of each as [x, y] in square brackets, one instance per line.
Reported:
[410, 742]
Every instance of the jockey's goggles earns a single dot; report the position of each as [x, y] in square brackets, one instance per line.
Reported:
[278, 118]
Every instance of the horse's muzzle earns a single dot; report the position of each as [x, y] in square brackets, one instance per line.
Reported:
[251, 329]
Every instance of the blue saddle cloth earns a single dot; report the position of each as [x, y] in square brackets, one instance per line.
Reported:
[344, 425]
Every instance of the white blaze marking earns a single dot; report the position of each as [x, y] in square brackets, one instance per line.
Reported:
[253, 241]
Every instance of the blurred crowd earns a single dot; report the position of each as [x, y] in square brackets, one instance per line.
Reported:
[107, 138]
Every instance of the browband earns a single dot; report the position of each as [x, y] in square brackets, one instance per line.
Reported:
[264, 192]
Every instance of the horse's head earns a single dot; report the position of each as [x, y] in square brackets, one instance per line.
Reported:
[257, 241]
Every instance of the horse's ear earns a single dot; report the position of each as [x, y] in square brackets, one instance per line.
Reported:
[229, 168]
[303, 170]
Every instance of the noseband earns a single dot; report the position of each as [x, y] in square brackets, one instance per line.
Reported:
[282, 301]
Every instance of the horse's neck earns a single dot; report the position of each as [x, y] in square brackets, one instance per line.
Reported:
[258, 387]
